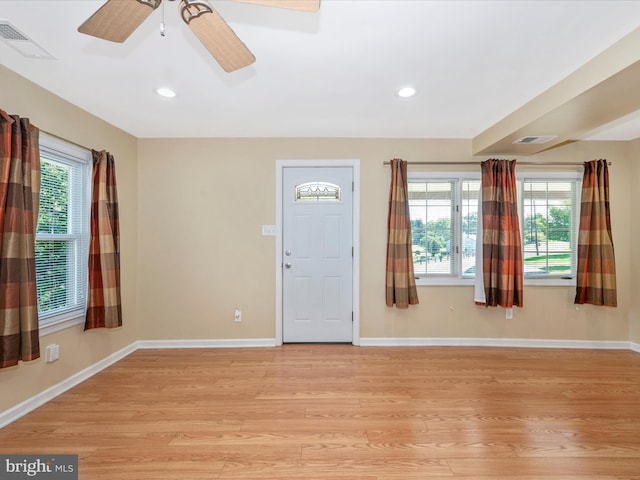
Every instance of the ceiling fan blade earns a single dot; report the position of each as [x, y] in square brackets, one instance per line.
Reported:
[303, 5]
[117, 19]
[216, 35]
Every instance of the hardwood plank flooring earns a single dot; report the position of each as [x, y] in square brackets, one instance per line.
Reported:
[321, 412]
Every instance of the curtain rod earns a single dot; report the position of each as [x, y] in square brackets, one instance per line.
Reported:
[474, 163]
[65, 140]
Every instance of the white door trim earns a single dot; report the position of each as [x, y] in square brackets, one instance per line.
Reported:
[355, 165]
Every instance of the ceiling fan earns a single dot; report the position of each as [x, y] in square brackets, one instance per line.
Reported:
[117, 19]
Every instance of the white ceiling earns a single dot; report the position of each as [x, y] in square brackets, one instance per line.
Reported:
[333, 73]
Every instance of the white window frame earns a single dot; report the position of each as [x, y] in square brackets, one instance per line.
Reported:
[73, 155]
[457, 279]
[551, 281]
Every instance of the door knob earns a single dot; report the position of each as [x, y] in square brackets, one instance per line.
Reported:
[287, 265]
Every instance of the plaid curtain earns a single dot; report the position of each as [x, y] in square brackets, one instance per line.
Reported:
[400, 280]
[501, 245]
[104, 309]
[596, 275]
[19, 202]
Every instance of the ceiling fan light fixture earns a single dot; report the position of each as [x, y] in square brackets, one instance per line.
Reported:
[165, 92]
[406, 92]
[116, 20]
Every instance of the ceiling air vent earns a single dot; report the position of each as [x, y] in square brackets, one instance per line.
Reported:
[9, 32]
[20, 42]
[535, 139]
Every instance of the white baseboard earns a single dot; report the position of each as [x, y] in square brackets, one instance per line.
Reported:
[634, 346]
[213, 343]
[50, 393]
[493, 342]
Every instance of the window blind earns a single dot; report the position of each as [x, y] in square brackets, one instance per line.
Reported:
[62, 235]
[549, 219]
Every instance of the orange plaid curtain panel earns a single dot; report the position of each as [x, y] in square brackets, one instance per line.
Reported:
[19, 204]
[400, 279]
[501, 244]
[596, 274]
[104, 309]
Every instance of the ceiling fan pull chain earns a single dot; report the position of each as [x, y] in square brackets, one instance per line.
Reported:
[163, 27]
[191, 9]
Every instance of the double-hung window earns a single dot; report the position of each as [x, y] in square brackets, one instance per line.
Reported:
[444, 216]
[549, 211]
[62, 235]
[444, 220]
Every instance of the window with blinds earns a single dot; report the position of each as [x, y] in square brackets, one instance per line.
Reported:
[62, 235]
[444, 221]
[549, 213]
[444, 215]
[469, 230]
[431, 204]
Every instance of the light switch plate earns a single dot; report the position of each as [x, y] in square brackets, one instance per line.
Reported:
[268, 230]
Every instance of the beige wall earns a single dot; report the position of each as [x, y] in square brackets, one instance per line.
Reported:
[634, 220]
[78, 350]
[201, 206]
[202, 203]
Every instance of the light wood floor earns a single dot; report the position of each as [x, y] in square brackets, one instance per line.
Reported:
[350, 413]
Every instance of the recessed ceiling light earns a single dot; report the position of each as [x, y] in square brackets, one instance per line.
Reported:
[166, 92]
[406, 92]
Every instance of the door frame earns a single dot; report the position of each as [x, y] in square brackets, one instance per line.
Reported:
[355, 166]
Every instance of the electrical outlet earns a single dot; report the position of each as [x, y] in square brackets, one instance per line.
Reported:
[509, 313]
[52, 353]
[237, 315]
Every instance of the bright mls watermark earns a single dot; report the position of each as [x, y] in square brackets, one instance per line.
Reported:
[50, 467]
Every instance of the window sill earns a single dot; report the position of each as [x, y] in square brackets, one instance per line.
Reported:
[444, 282]
[469, 282]
[63, 323]
[550, 282]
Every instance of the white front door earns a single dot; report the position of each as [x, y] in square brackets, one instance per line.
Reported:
[317, 254]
